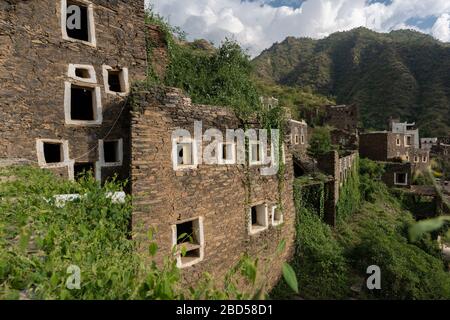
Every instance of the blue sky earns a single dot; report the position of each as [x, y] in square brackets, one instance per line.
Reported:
[257, 24]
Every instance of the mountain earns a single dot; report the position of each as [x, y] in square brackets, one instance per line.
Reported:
[404, 74]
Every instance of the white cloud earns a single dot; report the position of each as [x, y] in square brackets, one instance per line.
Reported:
[257, 26]
[441, 29]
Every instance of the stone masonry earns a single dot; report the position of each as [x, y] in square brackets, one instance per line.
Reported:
[219, 198]
[36, 76]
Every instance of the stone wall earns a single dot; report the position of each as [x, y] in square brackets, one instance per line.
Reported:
[220, 194]
[339, 168]
[392, 169]
[343, 117]
[34, 63]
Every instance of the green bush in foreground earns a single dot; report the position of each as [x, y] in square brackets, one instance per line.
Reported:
[39, 241]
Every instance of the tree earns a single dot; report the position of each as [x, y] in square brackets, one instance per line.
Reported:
[320, 142]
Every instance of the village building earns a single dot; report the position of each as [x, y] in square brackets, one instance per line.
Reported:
[66, 108]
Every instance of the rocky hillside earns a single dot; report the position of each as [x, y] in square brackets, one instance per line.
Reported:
[403, 73]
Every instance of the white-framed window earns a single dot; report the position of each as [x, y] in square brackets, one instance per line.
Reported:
[116, 80]
[297, 141]
[227, 153]
[256, 153]
[408, 141]
[77, 21]
[400, 178]
[258, 218]
[398, 142]
[424, 159]
[277, 216]
[188, 238]
[302, 139]
[82, 73]
[52, 153]
[110, 152]
[82, 104]
[416, 159]
[184, 153]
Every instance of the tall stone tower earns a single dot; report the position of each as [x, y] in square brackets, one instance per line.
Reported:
[65, 72]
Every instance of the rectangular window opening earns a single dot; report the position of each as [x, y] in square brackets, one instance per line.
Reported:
[82, 103]
[82, 73]
[401, 178]
[77, 27]
[111, 151]
[81, 169]
[188, 236]
[115, 81]
[256, 153]
[277, 216]
[184, 154]
[53, 152]
[258, 218]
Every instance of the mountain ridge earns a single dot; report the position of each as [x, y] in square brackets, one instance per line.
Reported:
[403, 74]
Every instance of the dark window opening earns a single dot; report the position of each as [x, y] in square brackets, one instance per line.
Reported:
[401, 178]
[298, 170]
[81, 33]
[53, 152]
[111, 151]
[278, 215]
[114, 81]
[83, 168]
[82, 73]
[185, 233]
[254, 216]
[82, 103]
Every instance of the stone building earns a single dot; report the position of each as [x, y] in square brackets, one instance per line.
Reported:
[428, 143]
[231, 209]
[408, 129]
[63, 89]
[338, 167]
[343, 117]
[65, 106]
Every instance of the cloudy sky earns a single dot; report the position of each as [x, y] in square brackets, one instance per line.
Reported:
[257, 24]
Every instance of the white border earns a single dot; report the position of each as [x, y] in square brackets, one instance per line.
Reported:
[91, 23]
[400, 184]
[279, 222]
[66, 161]
[251, 230]
[221, 160]
[201, 240]
[250, 153]
[181, 140]
[98, 115]
[124, 80]
[71, 73]
[101, 156]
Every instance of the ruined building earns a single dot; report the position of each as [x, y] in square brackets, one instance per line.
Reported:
[66, 107]
[398, 152]
[344, 121]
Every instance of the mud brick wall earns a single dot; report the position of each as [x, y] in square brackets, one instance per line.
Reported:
[221, 194]
[382, 146]
[34, 61]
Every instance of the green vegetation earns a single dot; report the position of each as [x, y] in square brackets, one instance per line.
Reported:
[401, 74]
[209, 76]
[332, 263]
[39, 240]
[320, 142]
